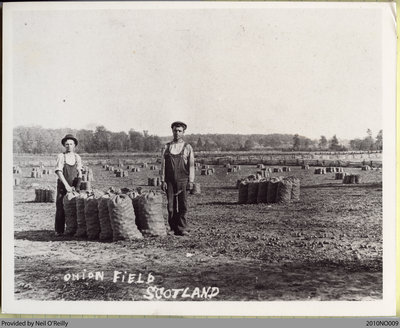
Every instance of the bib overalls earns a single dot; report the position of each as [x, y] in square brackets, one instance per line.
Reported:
[70, 173]
[176, 177]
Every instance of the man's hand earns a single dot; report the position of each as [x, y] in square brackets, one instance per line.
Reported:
[164, 186]
[68, 188]
[191, 186]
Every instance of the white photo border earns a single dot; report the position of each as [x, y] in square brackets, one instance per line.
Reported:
[383, 307]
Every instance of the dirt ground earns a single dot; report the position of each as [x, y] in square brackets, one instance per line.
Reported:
[327, 246]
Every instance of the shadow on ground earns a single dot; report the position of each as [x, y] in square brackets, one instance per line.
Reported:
[341, 185]
[47, 235]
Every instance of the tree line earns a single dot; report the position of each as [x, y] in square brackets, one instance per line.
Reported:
[333, 144]
[38, 140]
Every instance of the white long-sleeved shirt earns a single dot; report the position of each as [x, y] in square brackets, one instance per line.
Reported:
[70, 159]
[176, 148]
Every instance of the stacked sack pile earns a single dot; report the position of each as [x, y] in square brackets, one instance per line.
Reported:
[45, 195]
[320, 170]
[334, 169]
[87, 174]
[156, 181]
[114, 215]
[109, 168]
[206, 170]
[47, 171]
[273, 190]
[16, 170]
[121, 173]
[234, 168]
[87, 178]
[36, 172]
[352, 179]
[366, 168]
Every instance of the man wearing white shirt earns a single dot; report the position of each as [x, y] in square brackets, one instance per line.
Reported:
[177, 170]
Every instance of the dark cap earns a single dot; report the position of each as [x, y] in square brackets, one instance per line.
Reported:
[178, 123]
[69, 136]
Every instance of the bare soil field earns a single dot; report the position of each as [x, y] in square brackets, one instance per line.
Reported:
[327, 246]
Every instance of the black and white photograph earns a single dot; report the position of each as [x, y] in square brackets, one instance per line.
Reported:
[199, 158]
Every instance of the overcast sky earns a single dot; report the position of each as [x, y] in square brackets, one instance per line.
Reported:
[263, 70]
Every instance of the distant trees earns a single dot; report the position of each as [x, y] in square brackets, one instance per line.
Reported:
[301, 143]
[368, 143]
[249, 144]
[296, 142]
[379, 140]
[323, 143]
[334, 143]
[199, 144]
[136, 140]
[37, 140]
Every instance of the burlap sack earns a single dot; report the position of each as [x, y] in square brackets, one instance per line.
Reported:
[92, 215]
[284, 192]
[85, 185]
[272, 190]
[340, 175]
[295, 195]
[50, 195]
[238, 182]
[243, 191]
[251, 177]
[262, 191]
[122, 218]
[80, 214]
[134, 195]
[69, 203]
[106, 232]
[37, 196]
[151, 220]
[252, 192]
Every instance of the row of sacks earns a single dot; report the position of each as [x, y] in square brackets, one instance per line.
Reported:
[109, 167]
[207, 171]
[120, 173]
[45, 195]
[228, 165]
[114, 215]
[324, 170]
[87, 174]
[156, 181]
[38, 172]
[274, 190]
[366, 168]
[274, 169]
[352, 179]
